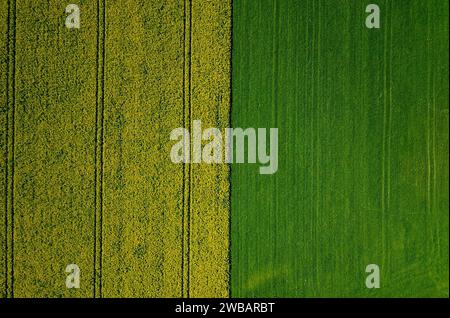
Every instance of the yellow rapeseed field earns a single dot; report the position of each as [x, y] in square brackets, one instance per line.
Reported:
[85, 125]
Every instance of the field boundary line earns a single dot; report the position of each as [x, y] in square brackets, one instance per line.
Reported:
[230, 166]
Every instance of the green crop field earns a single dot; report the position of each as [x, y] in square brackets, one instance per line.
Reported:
[86, 116]
[362, 116]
